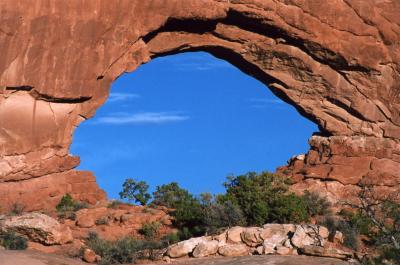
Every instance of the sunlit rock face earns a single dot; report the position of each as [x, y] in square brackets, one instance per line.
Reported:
[337, 62]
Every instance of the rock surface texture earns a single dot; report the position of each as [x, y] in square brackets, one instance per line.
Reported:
[37, 227]
[337, 62]
[280, 239]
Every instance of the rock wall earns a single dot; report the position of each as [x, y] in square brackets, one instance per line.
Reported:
[337, 62]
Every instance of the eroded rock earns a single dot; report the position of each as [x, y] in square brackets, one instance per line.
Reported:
[338, 65]
[309, 235]
[207, 248]
[184, 248]
[38, 228]
[234, 250]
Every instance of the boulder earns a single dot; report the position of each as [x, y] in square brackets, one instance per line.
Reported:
[86, 218]
[89, 256]
[252, 236]
[326, 252]
[221, 238]
[234, 250]
[268, 248]
[281, 250]
[260, 250]
[309, 235]
[38, 228]
[338, 238]
[184, 248]
[234, 235]
[283, 230]
[206, 248]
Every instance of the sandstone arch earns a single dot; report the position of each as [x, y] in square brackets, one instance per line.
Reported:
[337, 62]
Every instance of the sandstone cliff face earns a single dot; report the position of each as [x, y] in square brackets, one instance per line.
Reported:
[337, 62]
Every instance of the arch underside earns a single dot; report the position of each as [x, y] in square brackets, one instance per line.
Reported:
[343, 74]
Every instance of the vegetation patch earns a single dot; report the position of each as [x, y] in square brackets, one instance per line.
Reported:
[122, 251]
[12, 241]
[67, 207]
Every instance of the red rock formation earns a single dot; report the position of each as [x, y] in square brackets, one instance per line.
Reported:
[337, 62]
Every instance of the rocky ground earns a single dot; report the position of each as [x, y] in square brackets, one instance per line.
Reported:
[38, 258]
[67, 237]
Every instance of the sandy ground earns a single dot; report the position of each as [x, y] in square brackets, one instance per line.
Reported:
[9, 257]
[37, 258]
[264, 260]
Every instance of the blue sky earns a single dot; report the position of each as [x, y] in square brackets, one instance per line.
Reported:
[190, 118]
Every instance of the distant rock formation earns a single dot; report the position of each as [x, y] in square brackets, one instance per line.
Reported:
[337, 62]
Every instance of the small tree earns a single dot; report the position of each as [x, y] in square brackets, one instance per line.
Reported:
[66, 204]
[382, 212]
[135, 191]
[187, 209]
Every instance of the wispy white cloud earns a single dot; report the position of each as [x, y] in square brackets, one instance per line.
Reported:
[201, 65]
[264, 102]
[114, 97]
[197, 62]
[142, 118]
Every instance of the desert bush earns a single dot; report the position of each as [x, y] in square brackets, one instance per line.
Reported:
[350, 233]
[102, 220]
[377, 215]
[124, 250]
[136, 191]
[17, 208]
[263, 198]
[289, 208]
[12, 241]
[171, 238]
[68, 204]
[316, 204]
[150, 230]
[187, 209]
[114, 204]
[217, 215]
[185, 233]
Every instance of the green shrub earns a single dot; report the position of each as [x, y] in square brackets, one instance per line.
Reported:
[187, 209]
[150, 230]
[125, 250]
[66, 204]
[184, 234]
[78, 205]
[225, 214]
[289, 209]
[316, 205]
[171, 239]
[170, 195]
[12, 241]
[135, 191]
[263, 198]
[67, 207]
[350, 234]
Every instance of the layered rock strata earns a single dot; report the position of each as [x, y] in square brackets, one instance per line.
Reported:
[337, 62]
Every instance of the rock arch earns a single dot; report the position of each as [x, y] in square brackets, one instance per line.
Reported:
[337, 62]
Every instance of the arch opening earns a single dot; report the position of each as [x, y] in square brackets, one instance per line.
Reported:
[191, 118]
